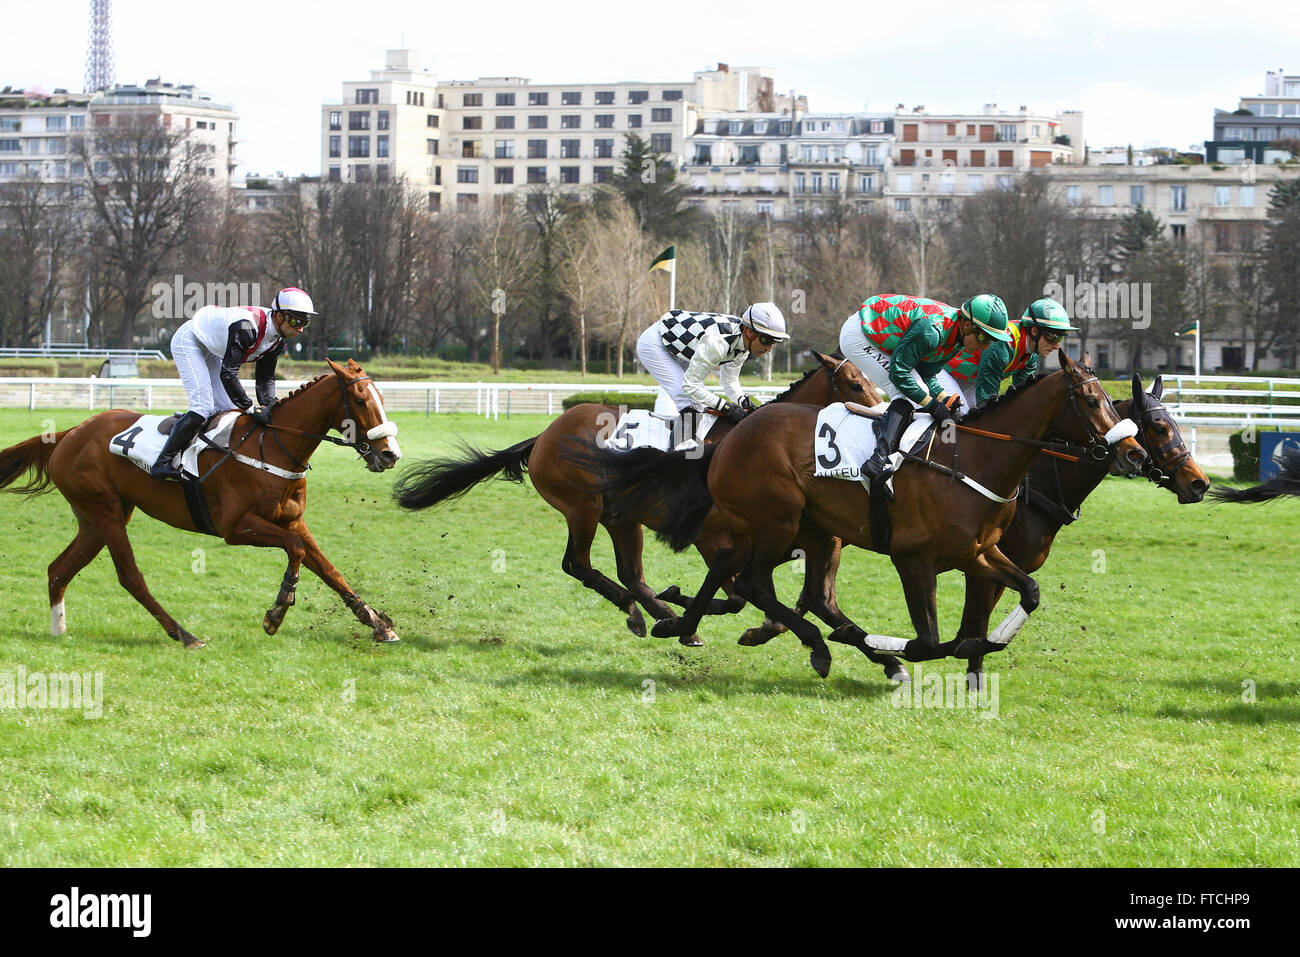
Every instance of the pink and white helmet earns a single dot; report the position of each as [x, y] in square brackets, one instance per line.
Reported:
[292, 299]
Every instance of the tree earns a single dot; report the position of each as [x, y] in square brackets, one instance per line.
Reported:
[620, 282]
[1003, 242]
[502, 264]
[1280, 262]
[548, 211]
[37, 233]
[578, 249]
[145, 192]
[648, 184]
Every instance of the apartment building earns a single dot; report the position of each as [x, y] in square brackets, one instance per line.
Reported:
[784, 164]
[1250, 131]
[37, 130]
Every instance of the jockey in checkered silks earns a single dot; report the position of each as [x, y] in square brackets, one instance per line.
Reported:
[683, 349]
[209, 350]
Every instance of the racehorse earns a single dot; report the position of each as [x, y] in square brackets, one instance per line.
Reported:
[247, 504]
[1287, 482]
[1050, 498]
[762, 489]
[574, 491]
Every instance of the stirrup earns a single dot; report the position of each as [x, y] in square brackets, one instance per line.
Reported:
[165, 470]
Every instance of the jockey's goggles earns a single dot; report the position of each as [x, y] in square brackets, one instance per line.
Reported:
[767, 340]
[296, 319]
[1051, 336]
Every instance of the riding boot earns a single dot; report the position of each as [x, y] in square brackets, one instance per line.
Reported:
[888, 431]
[684, 428]
[182, 434]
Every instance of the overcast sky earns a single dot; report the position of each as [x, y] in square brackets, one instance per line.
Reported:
[1143, 71]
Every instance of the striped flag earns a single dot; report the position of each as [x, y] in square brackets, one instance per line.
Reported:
[1192, 330]
[666, 260]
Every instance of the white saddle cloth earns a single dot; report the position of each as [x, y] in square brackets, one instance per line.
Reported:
[844, 441]
[142, 443]
[643, 429]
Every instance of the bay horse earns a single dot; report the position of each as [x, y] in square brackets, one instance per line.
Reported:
[247, 505]
[1051, 498]
[762, 490]
[575, 491]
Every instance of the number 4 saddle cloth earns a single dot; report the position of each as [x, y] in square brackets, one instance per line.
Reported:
[143, 442]
[845, 440]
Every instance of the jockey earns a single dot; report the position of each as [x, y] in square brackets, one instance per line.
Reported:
[1034, 337]
[209, 350]
[902, 343]
[683, 349]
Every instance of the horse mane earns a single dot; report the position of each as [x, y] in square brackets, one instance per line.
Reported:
[305, 386]
[1012, 393]
[806, 376]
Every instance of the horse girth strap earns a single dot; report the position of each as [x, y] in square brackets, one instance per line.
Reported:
[961, 477]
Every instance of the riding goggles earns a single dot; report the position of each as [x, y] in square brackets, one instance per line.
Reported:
[767, 340]
[297, 319]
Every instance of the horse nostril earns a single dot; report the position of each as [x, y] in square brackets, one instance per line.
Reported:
[1199, 488]
[1136, 456]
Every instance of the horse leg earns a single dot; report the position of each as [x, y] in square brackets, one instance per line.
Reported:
[628, 544]
[110, 522]
[994, 566]
[577, 564]
[918, 575]
[286, 598]
[79, 553]
[755, 583]
[253, 529]
[726, 562]
[315, 559]
[981, 598]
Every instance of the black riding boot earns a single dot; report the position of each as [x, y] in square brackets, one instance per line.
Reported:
[688, 421]
[889, 430]
[182, 434]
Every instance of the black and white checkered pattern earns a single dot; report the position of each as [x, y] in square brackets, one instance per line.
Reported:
[681, 330]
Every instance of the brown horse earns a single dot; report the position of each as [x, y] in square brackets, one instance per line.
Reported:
[247, 505]
[763, 492]
[1050, 499]
[574, 491]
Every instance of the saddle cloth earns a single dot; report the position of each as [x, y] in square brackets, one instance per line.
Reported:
[844, 441]
[142, 443]
[643, 429]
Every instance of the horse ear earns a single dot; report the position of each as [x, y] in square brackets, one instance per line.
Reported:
[824, 360]
[1138, 391]
[1062, 359]
[1158, 388]
[338, 369]
[354, 366]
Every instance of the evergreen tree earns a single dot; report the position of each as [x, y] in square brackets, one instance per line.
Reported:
[647, 181]
[1281, 263]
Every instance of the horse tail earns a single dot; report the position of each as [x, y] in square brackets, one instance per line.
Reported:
[34, 454]
[649, 485]
[1286, 483]
[438, 481]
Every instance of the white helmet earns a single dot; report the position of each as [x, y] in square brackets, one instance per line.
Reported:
[293, 299]
[766, 319]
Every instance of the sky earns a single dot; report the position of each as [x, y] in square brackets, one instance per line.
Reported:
[1144, 72]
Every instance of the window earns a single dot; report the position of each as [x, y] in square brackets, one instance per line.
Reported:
[471, 122]
[902, 205]
[976, 157]
[663, 115]
[816, 183]
[765, 207]
[866, 184]
[1006, 132]
[431, 121]
[1222, 195]
[538, 99]
[604, 149]
[471, 149]
[417, 99]
[1004, 182]
[382, 122]
[602, 174]
[568, 174]
[472, 99]
[661, 142]
[637, 96]
[358, 146]
[1178, 231]
[537, 149]
[381, 173]
[467, 174]
[573, 98]
[604, 121]
[974, 182]
[634, 121]
[361, 174]
[504, 175]
[358, 121]
[571, 121]
[1178, 199]
[749, 155]
[945, 205]
[537, 174]
[904, 182]
[79, 122]
[55, 123]
[435, 201]
[604, 97]
[505, 99]
[466, 200]
[1036, 130]
[1232, 133]
[505, 122]
[877, 126]
[1105, 195]
[505, 149]
[670, 95]
[367, 96]
[335, 175]
[336, 146]
[1246, 196]
[336, 120]
[1136, 195]
[570, 149]
[431, 147]
[537, 122]
[833, 182]
[1073, 195]
[437, 176]
[801, 182]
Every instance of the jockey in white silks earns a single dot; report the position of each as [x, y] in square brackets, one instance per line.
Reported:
[209, 350]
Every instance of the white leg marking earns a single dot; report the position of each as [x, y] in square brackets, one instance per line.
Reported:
[885, 643]
[1011, 624]
[58, 620]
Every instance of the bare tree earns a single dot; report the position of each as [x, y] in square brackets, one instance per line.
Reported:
[503, 262]
[37, 233]
[620, 286]
[578, 250]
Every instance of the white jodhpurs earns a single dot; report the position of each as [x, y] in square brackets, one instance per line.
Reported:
[668, 370]
[874, 363]
[200, 373]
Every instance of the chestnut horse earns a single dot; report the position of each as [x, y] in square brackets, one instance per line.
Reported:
[248, 506]
[574, 491]
[762, 491]
[1051, 498]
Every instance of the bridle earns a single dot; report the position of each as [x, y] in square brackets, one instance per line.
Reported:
[1156, 471]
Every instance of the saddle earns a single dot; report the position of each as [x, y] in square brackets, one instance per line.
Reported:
[166, 425]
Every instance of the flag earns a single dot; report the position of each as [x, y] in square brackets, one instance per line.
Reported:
[1188, 331]
[666, 260]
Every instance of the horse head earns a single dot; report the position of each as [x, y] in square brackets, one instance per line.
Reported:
[1171, 464]
[361, 418]
[846, 382]
[1095, 420]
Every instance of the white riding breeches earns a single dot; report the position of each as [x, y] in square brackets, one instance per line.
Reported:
[200, 373]
[873, 362]
[668, 370]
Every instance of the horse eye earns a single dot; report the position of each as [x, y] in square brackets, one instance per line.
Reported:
[1093, 403]
[856, 387]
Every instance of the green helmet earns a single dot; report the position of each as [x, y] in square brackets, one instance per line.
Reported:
[989, 313]
[1048, 314]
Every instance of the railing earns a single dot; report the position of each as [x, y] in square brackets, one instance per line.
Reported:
[1223, 401]
[78, 352]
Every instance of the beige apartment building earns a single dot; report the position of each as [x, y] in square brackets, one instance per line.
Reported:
[36, 133]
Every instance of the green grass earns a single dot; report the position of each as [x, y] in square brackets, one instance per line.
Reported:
[511, 726]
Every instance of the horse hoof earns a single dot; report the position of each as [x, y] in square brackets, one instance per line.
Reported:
[386, 637]
[694, 641]
[755, 637]
[848, 634]
[636, 626]
[671, 594]
[821, 665]
[190, 642]
[668, 628]
[899, 677]
[271, 623]
[975, 681]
